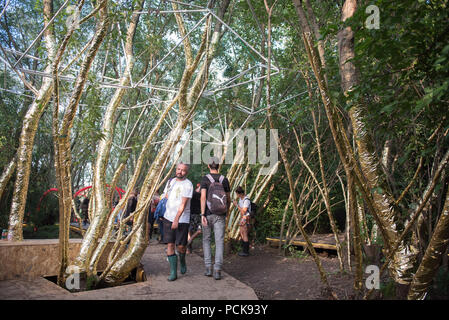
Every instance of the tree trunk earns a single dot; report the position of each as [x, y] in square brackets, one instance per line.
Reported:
[402, 267]
[122, 260]
[7, 174]
[29, 128]
[432, 258]
[62, 142]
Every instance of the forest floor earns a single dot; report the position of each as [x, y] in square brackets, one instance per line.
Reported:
[274, 276]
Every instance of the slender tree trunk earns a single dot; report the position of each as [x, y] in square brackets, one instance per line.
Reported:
[62, 144]
[123, 260]
[402, 267]
[99, 192]
[432, 258]
[286, 163]
[29, 128]
[7, 174]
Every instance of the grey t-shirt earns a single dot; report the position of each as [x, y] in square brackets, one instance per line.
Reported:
[245, 203]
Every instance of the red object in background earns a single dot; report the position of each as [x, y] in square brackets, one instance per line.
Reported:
[119, 191]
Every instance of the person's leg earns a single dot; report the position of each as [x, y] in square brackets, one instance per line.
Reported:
[244, 233]
[245, 243]
[219, 231]
[170, 249]
[189, 237]
[207, 232]
[198, 232]
[181, 241]
[169, 238]
[150, 226]
[161, 230]
[242, 242]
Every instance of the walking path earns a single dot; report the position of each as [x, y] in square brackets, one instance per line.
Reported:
[191, 286]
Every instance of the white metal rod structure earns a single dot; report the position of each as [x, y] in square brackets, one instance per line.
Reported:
[238, 36]
[187, 4]
[40, 34]
[172, 11]
[21, 77]
[212, 91]
[239, 75]
[159, 62]
[18, 52]
[17, 93]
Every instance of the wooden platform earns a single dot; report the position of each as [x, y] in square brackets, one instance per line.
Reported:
[319, 241]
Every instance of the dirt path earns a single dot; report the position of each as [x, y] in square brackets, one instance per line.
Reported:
[275, 277]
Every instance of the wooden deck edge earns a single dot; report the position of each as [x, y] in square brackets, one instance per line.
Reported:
[304, 244]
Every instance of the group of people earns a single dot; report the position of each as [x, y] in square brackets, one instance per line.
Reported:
[181, 222]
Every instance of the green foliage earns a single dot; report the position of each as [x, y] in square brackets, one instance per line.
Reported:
[388, 289]
[91, 282]
[296, 253]
[268, 222]
[440, 287]
[45, 232]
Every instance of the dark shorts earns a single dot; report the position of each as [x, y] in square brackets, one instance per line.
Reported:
[177, 236]
[195, 222]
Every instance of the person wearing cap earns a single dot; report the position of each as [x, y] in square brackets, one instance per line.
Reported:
[211, 221]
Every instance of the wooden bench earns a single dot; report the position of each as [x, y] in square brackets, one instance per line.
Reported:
[303, 244]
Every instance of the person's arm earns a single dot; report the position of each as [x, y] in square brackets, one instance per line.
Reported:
[243, 211]
[203, 207]
[179, 213]
[227, 189]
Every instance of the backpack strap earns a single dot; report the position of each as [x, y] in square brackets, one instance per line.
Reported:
[169, 187]
[211, 179]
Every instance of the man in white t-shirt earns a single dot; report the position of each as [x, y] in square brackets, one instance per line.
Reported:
[177, 218]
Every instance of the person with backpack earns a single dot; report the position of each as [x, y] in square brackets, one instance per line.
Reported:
[244, 207]
[177, 219]
[215, 202]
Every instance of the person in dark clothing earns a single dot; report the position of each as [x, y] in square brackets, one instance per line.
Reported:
[195, 219]
[131, 206]
[85, 210]
[214, 221]
[151, 219]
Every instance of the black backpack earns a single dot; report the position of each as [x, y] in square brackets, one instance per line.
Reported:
[216, 196]
[252, 208]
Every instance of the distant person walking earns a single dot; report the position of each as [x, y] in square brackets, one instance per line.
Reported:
[176, 219]
[151, 218]
[85, 210]
[215, 202]
[244, 207]
[195, 218]
[131, 207]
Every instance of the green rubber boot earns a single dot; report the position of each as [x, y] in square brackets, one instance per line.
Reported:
[173, 260]
[182, 263]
